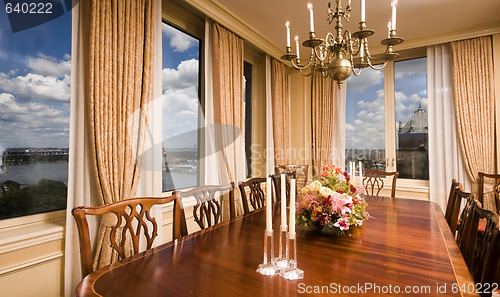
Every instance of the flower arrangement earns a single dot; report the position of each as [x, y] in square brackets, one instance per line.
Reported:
[333, 204]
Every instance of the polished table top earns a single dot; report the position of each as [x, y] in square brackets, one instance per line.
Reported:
[406, 246]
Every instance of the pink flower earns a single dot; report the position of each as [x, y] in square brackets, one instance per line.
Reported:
[324, 173]
[360, 189]
[338, 169]
[342, 224]
[325, 166]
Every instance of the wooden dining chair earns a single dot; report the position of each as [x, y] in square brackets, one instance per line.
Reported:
[301, 173]
[252, 192]
[374, 183]
[133, 216]
[207, 210]
[476, 246]
[453, 206]
[276, 178]
[496, 188]
[465, 216]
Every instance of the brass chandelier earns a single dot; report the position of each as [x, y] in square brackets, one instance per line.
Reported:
[334, 56]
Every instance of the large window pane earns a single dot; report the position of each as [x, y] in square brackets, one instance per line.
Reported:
[365, 129]
[181, 108]
[410, 84]
[35, 72]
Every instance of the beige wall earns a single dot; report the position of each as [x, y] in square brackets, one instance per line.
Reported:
[496, 64]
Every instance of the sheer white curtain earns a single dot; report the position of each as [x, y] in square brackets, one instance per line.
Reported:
[79, 178]
[445, 159]
[269, 121]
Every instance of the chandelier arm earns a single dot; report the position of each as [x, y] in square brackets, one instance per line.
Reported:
[305, 74]
[377, 68]
[309, 63]
[354, 71]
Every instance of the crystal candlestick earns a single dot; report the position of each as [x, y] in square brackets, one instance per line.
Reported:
[282, 260]
[268, 267]
[291, 272]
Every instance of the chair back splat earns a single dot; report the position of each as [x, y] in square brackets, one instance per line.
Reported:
[133, 223]
[208, 208]
[374, 183]
[252, 193]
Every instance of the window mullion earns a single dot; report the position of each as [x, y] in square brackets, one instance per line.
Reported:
[390, 117]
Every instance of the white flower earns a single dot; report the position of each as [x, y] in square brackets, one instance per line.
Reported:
[326, 192]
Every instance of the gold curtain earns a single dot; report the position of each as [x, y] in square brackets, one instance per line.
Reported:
[281, 111]
[119, 55]
[473, 88]
[324, 98]
[229, 113]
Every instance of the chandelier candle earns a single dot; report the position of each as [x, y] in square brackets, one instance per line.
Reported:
[311, 16]
[268, 267]
[287, 24]
[298, 47]
[341, 53]
[394, 3]
[363, 10]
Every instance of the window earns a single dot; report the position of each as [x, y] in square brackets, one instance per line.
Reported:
[35, 70]
[386, 119]
[181, 108]
[410, 83]
[365, 119]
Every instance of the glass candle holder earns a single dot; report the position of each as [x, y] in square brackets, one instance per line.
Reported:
[291, 272]
[268, 267]
[282, 260]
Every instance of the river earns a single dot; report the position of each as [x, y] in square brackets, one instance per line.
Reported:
[27, 174]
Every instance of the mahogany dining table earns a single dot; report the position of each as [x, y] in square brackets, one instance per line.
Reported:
[405, 248]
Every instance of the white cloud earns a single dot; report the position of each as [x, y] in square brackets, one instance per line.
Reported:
[50, 66]
[186, 75]
[32, 123]
[367, 78]
[36, 87]
[181, 103]
[180, 41]
[367, 131]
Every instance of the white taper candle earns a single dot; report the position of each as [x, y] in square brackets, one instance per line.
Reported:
[360, 172]
[283, 199]
[292, 206]
[269, 219]
[287, 24]
[311, 16]
[362, 10]
[394, 3]
[297, 45]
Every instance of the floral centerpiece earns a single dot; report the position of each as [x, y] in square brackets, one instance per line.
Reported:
[333, 204]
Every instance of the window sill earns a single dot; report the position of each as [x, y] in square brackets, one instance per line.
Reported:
[20, 236]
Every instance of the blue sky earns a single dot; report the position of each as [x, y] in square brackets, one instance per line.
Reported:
[180, 72]
[365, 102]
[35, 67]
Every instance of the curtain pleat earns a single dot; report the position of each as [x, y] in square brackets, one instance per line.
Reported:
[119, 88]
[228, 107]
[324, 102]
[473, 87]
[281, 112]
